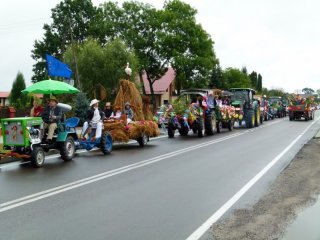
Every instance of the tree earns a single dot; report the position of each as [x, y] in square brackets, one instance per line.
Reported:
[254, 79]
[259, 83]
[307, 90]
[163, 38]
[186, 45]
[244, 70]
[102, 65]
[17, 98]
[81, 105]
[235, 78]
[72, 23]
[216, 80]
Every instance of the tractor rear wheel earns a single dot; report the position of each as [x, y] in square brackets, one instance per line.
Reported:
[170, 130]
[210, 123]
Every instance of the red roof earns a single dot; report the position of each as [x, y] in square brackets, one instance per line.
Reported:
[4, 94]
[161, 85]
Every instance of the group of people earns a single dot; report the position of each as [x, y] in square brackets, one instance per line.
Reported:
[95, 117]
[52, 115]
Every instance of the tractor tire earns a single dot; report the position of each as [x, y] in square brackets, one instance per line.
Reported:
[250, 119]
[143, 140]
[230, 125]
[219, 126]
[37, 157]
[209, 124]
[200, 128]
[183, 130]
[257, 118]
[170, 130]
[68, 149]
[106, 143]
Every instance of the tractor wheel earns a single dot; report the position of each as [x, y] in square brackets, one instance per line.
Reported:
[143, 140]
[209, 124]
[219, 126]
[257, 118]
[250, 119]
[106, 143]
[37, 157]
[230, 125]
[170, 130]
[68, 149]
[183, 130]
[200, 128]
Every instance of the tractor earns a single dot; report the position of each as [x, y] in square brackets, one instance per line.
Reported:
[246, 107]
[192, 113]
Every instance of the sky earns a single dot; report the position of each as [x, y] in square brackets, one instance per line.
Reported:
[278, 39]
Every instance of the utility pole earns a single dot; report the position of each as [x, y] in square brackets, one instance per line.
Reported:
[75, 59]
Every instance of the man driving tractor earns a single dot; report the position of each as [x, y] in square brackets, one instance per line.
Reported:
[51, 116]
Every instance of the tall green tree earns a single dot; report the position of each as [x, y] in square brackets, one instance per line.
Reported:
[186, 45]
[244, 70]
[163, 38]
[235, 78]
[72, 22]
[17, 98]
[216, 80]
[102, 65]
[253, 79]
[259, 83]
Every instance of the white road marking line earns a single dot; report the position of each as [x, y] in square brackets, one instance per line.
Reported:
[198, 233]
[63, 188]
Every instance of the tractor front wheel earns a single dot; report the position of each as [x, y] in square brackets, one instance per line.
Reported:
[37, 157]
[68, 149]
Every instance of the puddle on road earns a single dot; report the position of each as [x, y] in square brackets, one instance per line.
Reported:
[306, 225]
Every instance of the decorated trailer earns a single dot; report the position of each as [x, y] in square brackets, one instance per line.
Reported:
[142, 127]
[301, 106]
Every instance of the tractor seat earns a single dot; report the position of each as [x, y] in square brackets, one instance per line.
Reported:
[71, 123]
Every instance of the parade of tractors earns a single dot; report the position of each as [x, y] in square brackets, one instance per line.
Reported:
[202, 112]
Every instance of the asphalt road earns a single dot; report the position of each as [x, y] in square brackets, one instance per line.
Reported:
[166, 190]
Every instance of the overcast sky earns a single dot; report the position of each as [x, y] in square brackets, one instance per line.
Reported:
[280, 39]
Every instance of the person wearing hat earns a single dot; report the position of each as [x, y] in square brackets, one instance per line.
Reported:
[128, 111]
[51, 116]
[108, 110]
[94, 119]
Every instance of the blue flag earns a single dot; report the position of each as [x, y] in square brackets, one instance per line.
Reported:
[57, 68]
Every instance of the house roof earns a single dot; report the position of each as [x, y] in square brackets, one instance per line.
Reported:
[161, 85]
[4, 94]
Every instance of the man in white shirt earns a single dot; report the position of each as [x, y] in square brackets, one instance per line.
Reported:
[95, 117]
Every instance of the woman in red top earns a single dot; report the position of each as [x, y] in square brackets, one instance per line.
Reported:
[37, 109]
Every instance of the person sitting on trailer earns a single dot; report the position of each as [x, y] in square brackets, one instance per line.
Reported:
[128, 111]
[94, 118]
[108, 110]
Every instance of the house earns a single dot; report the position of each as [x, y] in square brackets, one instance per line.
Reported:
[163, 88]
[4, 99]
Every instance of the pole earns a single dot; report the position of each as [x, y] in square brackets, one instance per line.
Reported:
[75, 59]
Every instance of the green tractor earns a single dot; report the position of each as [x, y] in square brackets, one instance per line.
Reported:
[246, 107]
[22, 139]
[276, 105]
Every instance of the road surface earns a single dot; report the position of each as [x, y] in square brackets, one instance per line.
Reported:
[166, 190]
